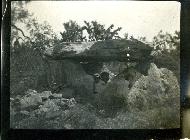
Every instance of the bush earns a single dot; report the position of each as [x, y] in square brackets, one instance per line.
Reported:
[26, 69]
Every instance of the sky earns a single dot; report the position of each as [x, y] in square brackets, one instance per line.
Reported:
[137, 18]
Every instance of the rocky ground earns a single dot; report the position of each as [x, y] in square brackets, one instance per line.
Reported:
[151, 101]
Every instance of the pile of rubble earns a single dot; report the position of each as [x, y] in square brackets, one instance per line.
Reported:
[34, 104]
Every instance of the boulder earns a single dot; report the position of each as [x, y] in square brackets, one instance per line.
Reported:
[45, 94]
[131, 75]
[49, 105]
[100, 51]
[159, 88]
[49, 108]
[70, 102]
[31, 100]
[77, 78]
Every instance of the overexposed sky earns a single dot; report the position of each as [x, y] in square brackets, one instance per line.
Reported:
[138, 18]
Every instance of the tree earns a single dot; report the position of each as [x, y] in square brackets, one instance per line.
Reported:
[38, 35]
[143, 39]
[126, 36]
[73, 32]
[167, 50]
[29, 40]
[41, 35]
[97, 31]
[18, 15]
[166, 41]
[109, 34]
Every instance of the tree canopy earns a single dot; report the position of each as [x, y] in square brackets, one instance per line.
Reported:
[25, 27]
[96, 32]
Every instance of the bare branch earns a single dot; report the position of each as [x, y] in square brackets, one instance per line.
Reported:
[17, 28]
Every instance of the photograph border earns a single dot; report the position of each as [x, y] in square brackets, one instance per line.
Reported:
[46, 134]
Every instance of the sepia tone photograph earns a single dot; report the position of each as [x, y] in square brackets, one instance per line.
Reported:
[95, 65]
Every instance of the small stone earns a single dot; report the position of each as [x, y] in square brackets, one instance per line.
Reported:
[30, 92]
[25, 112]
[32, 100]
[56, 95]
[45, 94]
[68, 126]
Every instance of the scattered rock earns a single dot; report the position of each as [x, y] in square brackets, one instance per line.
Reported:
[50, 109]
[31, 100]
[45, 94]
[31, 92]
[159, 88]
[50, 105]
[69, 102]
[55, 96]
